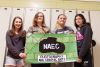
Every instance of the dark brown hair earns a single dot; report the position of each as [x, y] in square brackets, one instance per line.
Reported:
[21, 32]
[83, 18]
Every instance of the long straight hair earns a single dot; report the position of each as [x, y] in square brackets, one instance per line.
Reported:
[13, 27]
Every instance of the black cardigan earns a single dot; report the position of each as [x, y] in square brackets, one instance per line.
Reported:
[86, 31]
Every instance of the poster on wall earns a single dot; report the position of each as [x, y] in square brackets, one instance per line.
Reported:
[51, 48]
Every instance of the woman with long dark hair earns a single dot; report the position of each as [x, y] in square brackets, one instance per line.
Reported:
[84, 39]
[15, 41]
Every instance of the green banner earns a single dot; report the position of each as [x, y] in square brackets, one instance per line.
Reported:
[51, 48]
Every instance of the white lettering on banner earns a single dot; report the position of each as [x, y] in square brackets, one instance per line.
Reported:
[50, 46]
[51, 58]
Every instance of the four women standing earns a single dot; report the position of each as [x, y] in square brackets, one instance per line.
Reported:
[15, 39]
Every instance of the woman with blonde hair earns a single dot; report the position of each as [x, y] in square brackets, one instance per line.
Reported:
[61, 28]
[60, 25]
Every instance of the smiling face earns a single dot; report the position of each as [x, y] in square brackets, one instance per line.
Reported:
[61, 19]
[17, 23]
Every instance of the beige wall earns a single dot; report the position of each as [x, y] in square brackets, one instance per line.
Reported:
[55, 4]
[68, 4]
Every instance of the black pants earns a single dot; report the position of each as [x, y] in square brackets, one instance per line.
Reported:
[40, 65]
[86, 61]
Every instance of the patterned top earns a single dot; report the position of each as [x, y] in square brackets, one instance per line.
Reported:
[66, 29]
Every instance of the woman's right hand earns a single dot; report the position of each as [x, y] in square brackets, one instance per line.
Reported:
[22, 55]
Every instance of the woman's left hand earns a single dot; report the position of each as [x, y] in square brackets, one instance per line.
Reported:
[79, 60]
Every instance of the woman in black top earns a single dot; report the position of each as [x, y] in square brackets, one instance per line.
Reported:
[84, 39]
[15, 41]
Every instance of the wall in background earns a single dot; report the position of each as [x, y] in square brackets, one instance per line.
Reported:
[70, 4]
[77, 5]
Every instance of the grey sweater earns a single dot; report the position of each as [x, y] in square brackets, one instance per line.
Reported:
[15, 44]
